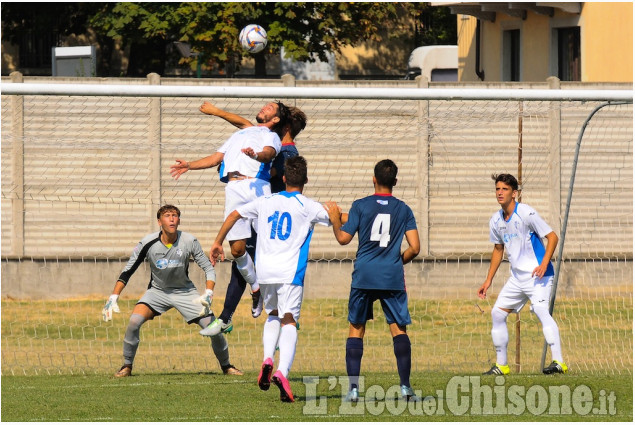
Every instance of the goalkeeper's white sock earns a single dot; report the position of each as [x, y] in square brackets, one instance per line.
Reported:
[287, 342]
[246, 267]
[500, 335]
[270, 335]
[550, 330]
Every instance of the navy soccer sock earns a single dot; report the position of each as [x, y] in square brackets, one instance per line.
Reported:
[354, 353]
[235, 290]
[401, 345]
[237, 284]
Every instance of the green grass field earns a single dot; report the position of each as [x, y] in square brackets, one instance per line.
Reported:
[213, 397]
[68, 337]
[58, 358]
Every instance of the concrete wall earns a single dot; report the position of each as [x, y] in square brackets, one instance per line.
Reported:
[65, 279]
[82, 177]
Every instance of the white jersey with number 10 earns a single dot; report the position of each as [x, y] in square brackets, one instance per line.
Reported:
[285, 226]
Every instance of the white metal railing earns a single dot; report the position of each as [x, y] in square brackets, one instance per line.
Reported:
[312, 92]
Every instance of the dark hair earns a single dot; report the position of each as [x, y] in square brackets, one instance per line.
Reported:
[295, 171]
[386, 173]
[297, 121]
[284, 115]
[508, 179]
[167, 208]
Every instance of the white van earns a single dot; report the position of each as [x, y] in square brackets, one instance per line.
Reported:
[437, 63]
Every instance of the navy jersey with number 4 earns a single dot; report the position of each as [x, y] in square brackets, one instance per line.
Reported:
[381, 222]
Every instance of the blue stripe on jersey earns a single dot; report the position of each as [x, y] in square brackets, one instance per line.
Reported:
[263, 172]
[303, 259]
[291, 195]
[510, 217]
[539, 250]
[221, 171]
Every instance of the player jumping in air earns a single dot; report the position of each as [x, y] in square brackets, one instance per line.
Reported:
[518, 229]
[245, 160]
[236, 286]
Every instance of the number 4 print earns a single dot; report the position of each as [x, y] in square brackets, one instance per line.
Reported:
[381, 230]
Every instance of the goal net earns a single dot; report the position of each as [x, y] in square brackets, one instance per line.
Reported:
[83, 176]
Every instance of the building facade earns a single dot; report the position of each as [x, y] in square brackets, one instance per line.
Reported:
[574, 41]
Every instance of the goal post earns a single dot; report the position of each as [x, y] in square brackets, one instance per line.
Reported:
[565, 219]
[85, 167]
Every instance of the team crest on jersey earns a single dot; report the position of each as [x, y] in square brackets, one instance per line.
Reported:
[164, 263]
[382, 202]
[509, 237]
[179, 252]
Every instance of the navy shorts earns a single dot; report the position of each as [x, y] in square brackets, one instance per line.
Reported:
[393, 302]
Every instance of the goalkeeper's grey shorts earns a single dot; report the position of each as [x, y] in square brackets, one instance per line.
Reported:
[183, 299]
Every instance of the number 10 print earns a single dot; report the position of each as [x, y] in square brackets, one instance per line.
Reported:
[280, 225]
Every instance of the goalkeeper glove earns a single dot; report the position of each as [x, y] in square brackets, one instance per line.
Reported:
[110, 307]
[206, 301]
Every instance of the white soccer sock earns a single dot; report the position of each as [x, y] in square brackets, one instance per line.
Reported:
[287, 342]
[270, 335]
[246, 267]
[500, 335]
[551, 332]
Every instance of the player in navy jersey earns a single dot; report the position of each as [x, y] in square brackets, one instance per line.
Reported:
[518, 229]
[245, 163]
[285, 227]
[381, 221]
[168, 252]
[236, 287]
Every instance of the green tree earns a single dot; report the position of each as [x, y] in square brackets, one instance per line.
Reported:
[307, 31]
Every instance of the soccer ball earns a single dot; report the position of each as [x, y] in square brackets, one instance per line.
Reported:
[253, 38]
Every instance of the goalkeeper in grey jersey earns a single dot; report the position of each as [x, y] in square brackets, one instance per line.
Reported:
[168, 252]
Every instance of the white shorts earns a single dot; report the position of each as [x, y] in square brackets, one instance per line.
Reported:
[238, 193]
[516, 293]
[284, 297]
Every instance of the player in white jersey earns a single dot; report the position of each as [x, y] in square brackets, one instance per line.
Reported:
[168, 253]
[245, 160]
[518, 229]
[285, 226]
[236, 286]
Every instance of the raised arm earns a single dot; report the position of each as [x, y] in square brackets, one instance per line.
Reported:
[233, 119]
[181, 166]
[266, 155]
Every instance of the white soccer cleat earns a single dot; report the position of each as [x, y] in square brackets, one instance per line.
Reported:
[216, 327]
[408, 394]
[352, 396]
